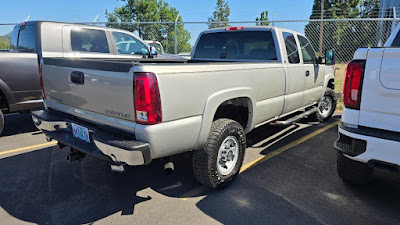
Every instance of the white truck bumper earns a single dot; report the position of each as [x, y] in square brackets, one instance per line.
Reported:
[378, 148]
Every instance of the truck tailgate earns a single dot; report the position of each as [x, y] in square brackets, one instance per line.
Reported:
[96, 86]
[381, 90]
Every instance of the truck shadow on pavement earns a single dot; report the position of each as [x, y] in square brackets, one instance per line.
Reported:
[43, 188]
[18, 124]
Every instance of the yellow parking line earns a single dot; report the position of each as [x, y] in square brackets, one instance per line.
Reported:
[32, 147]
[264, 158]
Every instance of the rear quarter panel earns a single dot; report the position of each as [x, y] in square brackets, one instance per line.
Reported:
[380, 106]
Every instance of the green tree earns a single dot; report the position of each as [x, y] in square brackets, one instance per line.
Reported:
[130, 16]
[263, 19]
[343, 36]
[220, 16]
[4, 42]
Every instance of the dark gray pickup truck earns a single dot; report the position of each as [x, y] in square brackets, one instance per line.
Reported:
[31, 41]
[19, 73]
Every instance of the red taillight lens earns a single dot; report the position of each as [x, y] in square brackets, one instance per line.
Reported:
[234, 28]
[353, 84]
[147, 99]
[41, 77]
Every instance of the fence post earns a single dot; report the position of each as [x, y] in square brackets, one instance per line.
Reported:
[176, 41]
[321, 31]
[394, 19]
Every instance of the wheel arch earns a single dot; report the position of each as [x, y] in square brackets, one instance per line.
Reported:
[329, 82]
[216, 100]
[6, 92]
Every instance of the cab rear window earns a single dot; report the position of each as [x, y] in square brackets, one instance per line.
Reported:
[23, 39]
[237, 45]
[88, 40]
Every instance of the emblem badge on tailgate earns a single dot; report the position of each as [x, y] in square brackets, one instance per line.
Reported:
[118, 114]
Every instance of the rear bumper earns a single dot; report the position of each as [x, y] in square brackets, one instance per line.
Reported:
[105, 144]
[368, 145]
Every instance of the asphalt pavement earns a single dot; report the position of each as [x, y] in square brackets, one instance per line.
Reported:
[289, 177]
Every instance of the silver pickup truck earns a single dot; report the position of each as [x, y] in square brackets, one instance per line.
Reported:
[31, 41]
[239, 78]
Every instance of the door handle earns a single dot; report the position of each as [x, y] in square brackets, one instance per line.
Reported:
[77, 77]
[307, 73]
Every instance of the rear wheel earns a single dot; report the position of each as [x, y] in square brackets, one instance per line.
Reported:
[326, 107]
[353, 171]
[1, 121]
[218, 163]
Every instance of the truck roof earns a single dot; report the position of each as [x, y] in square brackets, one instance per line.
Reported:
[249, 28]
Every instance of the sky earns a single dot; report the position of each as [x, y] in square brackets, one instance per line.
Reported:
[87, 10]
[17, 11]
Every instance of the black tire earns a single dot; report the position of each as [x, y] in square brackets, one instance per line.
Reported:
[353, 172]
[1, 122]
[205, 168]
[329, 93]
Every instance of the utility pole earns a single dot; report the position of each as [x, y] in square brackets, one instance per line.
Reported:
[321, 28]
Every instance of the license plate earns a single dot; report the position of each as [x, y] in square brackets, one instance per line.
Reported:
[80, 132]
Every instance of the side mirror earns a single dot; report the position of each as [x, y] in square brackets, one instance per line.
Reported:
[320, 60]
[153, 52]
[330, 58]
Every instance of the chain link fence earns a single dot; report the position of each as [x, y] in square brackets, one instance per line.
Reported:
[344, 35]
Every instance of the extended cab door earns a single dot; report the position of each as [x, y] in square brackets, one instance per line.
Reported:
[313, 73]
[294, 74]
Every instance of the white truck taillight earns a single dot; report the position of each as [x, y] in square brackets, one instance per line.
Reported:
[353, 84]
[41, 77]
[147, 99]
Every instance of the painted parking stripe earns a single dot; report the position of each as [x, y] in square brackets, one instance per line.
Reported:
[264, 158]
[32, 147]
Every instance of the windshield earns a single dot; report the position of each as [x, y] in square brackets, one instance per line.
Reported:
[249, 45]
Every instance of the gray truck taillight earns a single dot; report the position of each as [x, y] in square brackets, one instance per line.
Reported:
[353, 84]
[147, 99]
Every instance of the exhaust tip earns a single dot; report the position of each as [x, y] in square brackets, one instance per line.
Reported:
[169, 168]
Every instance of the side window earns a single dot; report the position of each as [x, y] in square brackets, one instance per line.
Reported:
[307, 51]
[23, 39]
[291, 48]
[396, 41]
[129, 45]
[88, 40]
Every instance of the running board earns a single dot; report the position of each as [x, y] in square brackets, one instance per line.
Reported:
[296, 118]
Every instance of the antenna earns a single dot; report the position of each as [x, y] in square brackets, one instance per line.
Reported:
[96, 19]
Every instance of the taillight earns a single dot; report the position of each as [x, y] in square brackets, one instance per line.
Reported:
[353, 84]
[234, 28]
[147, 99]
[41, 77]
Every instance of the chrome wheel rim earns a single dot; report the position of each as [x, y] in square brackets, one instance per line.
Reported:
[228, 155]
[325, 106]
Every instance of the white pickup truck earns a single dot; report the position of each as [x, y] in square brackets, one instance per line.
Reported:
[369, 134]
[131, 112]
